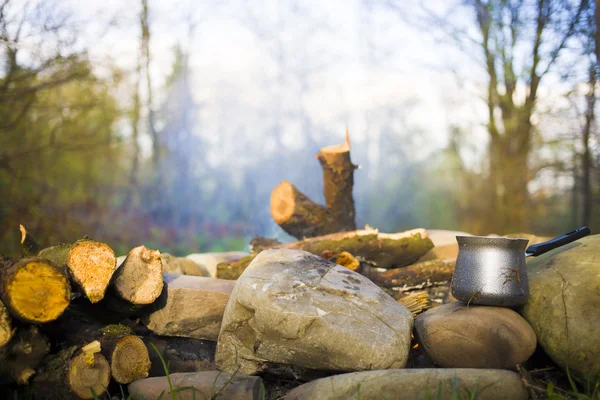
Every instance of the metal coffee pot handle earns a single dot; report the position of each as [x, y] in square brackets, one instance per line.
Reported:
[544, 247]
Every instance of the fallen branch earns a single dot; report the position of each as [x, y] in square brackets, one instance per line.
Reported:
[384, 250]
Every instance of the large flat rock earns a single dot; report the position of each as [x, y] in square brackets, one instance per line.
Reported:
[292, 307]
[189, 306]
[401, 384]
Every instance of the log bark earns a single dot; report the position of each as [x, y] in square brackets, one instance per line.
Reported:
[34, 289]
[90, 263]
[67, 375]
[181, 354]
[6, 329]
[22, 356]
[232, 270]
[380, 249]
[29, 245]
[139, 279]
[301, 217]
[416, 276]
[338, 182]
[298, 215]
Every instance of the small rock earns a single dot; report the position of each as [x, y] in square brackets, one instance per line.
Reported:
[397, 384]
[564, 305]
[211, 260]
[189, 306]
[182, 266]
[292, 307]
[207, 384]
[457, 336]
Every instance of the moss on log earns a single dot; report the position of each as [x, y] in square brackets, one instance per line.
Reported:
[232, 270]
[383, 250]
[6, 329]
[301, 217]
[67, 375]
[34, 289]
[23, 354]
[139, 279]
[90, 263]
[419, 275]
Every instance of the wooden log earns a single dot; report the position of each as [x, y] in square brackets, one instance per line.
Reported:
[34, 289]
[139, 279]
[127, 354]
[338, 181]
[29, 245]
[6, 329]
[383, 250]
[301, 217]
[298, 215]
[181, 354]
[90, 263]
[416, 276]
[232, 270]
[122, 348]
[67, 375]
[23, 354]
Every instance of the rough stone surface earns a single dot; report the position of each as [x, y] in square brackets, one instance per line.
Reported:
[457, 336]
[211, 260]
[189, 306]
[207, 384]
[182, 266]
[564, 305]
[400, 384]
[291, 307]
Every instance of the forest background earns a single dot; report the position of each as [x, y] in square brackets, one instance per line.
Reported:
[147, 122]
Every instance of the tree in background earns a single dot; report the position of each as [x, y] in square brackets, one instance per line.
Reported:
[519, 43]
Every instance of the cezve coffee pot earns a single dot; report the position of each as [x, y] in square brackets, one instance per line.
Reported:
[492, 271]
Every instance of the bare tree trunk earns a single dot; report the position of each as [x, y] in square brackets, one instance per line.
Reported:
[586, 157]
[146, 53]
[135, 120]
[597, 35]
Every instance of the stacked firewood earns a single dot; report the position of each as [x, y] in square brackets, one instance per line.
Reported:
[59, 315]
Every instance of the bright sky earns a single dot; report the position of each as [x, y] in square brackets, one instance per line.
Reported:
[355, 64]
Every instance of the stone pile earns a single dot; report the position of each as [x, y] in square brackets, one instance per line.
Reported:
[299, 326]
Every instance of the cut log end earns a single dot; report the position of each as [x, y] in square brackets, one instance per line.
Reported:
[84, 378]
[283, 204]
[130, 360]
[6, 330]
[35, 290]
[92, 265]
[139, 279]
